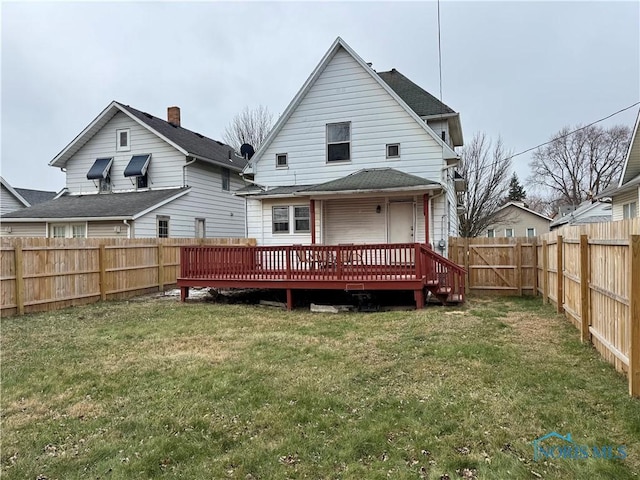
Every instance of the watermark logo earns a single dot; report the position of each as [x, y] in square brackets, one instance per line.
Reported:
[568, 449]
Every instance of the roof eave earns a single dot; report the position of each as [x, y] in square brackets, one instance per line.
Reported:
[66, 219]
[13, 192]
[416, 188]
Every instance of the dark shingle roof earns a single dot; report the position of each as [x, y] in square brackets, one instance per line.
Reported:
[35, 196]
[194, 143]
[125, 205]
[372, 179]
[418, 99]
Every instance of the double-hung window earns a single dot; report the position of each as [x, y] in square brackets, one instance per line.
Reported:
[629, 210]
[339, 142]
[280, 219]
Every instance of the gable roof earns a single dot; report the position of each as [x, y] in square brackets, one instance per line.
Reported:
[13, 192]
[448, 152]
[420, 101]
[35, 197]
[525, 209]
[632, 160]
[188, 142]
[127, 205]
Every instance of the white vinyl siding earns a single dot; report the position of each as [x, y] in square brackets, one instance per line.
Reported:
[165, 168]
[346, 92]
[223, 212]
[24, 229]
[8, 203]
[107, 229]
[617, 212]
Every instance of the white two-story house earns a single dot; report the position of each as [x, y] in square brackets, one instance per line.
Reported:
[358, 156]
[131, 174]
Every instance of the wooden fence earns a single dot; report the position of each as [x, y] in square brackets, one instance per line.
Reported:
[591, 273]
[41, 274]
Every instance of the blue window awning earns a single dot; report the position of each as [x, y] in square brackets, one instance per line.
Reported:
[100, 168]
[137, 166]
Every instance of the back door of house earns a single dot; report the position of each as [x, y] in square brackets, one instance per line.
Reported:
[400, 222]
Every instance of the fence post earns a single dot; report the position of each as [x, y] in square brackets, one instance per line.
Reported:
[19, 277]
[634, 316]
[585, 292]
[545, 272]
[534, 241]
[467, 253]
[103, 272]
[519, 266]
[160, 267]
[560, 277]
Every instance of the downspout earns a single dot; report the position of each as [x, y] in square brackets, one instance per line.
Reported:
[184, 171]
[432, 219]
[128, 228]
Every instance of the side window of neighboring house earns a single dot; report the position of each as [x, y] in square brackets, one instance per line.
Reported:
[531, 232]
[163, 226]
[67, 230]
[629, 210]
[508, 232]
[491, 233]
[201, 231]
[226, 179]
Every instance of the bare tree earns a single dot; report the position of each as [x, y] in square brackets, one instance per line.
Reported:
[249, 126]
[577, 166]
[544, 204]
[486, 169]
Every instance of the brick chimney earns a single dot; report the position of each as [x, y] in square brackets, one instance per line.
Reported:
[173, 115]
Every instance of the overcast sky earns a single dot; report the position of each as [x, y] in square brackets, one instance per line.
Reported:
[521, 70]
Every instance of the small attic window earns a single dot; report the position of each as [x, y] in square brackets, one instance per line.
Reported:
[123, 143]
[393, 150]
[281, 160]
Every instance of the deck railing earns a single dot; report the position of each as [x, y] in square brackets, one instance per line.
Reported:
[349, 262]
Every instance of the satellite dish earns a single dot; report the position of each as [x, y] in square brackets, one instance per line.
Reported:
[247, 151]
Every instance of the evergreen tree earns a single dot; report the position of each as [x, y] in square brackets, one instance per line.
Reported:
[516, 192]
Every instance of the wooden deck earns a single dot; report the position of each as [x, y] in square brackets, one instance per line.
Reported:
[410, 266]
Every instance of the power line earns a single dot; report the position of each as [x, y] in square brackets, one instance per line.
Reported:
[574, 131]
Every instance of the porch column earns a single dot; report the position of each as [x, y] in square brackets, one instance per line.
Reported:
[312, 215]
[425, 207]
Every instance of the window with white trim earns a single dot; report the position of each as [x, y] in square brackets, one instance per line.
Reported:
[629, 210]
[68, 230]
[280, 219]
[393, 150]
[531, 232]
[301, 219]
[491, 233]
[339, 142]
[281, 160]
[508, 232]
[163, 226]
[123, 140]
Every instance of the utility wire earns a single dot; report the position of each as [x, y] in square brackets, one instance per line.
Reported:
[574, 131]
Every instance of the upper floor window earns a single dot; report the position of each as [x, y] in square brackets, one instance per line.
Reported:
[101, 171]
[281, 160]
[508, 232]
[123, 143]
[491, 233]
[226, 179]
[629, 210]
[531, 232]
[339, 142]
[393, 150]
[138, 167]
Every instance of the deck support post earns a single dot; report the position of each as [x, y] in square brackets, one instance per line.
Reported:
[419, 297]
[425, 207]
[289, 299]
[184, 293]
[312, 218]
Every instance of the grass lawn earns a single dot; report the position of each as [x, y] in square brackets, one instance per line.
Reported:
[155, 388]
